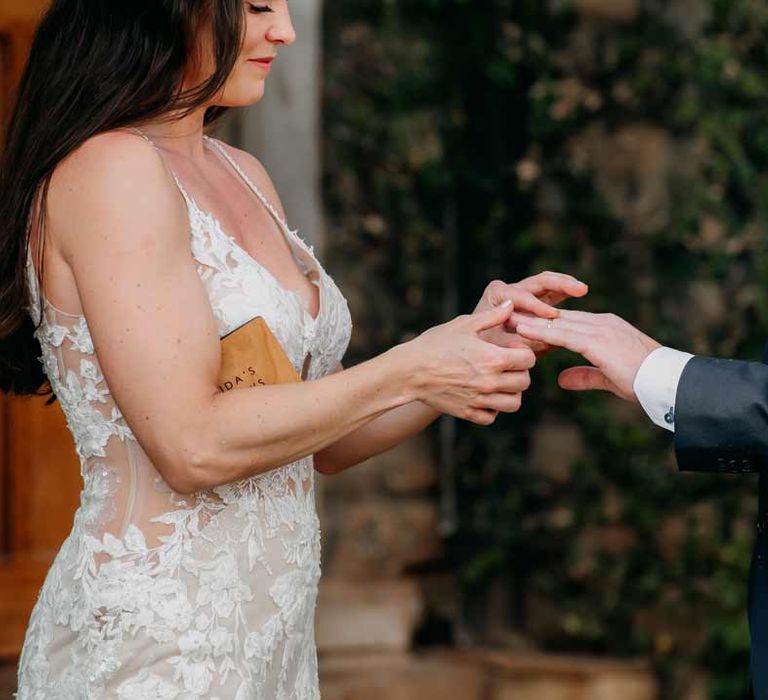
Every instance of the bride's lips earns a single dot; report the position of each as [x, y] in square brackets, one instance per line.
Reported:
[265, 63]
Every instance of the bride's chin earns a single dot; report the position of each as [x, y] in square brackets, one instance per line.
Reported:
[243, 97]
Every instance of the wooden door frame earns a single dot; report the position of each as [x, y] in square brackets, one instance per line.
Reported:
[19, 580]
[17, 26]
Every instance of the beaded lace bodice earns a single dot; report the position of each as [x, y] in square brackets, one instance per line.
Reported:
[159, 595]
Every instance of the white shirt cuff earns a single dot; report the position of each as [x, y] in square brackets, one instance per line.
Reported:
[656, 384]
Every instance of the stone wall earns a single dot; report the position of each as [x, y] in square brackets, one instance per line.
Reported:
[379, 521]
[452, 675]
[381, 527]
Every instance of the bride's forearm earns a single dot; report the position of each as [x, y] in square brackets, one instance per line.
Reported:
[249, 431]
[381, 434]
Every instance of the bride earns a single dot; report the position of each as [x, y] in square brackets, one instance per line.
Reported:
[131, 243]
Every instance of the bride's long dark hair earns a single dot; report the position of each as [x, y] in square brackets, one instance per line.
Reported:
[94, 65]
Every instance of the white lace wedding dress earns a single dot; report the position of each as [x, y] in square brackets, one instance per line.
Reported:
[158, 595]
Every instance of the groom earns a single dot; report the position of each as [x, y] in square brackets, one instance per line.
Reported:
[717, 409]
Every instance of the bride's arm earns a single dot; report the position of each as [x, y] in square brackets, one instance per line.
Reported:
[123, 230]
[384, 432]
[533, 294]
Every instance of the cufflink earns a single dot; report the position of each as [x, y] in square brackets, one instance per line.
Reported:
[669, 416]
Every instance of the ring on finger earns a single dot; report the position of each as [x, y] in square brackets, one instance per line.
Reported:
[550, 322]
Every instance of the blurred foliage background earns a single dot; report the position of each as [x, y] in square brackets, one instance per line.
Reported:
[624, 142]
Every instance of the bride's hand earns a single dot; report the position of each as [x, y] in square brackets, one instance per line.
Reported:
[538, 296]
[455, 371]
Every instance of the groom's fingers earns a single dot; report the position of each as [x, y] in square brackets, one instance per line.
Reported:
[584, 317]
[584, 379]
[575, 321]
[572, 336]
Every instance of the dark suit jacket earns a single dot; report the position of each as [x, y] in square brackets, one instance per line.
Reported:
[721, 425]
[721, 416]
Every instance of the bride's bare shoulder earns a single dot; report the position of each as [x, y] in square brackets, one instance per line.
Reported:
[102, 158]
[112, 175]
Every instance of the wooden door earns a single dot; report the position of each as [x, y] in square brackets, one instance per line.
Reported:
[39, 471]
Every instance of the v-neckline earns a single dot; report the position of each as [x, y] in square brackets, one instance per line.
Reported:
[282, 226]
[295, 248]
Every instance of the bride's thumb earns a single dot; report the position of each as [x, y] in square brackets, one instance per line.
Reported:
[494, 317]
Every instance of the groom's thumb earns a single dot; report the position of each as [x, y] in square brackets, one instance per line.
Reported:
[583, 379]
[494, 317]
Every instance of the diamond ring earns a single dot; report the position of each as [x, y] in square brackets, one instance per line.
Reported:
[550, 323]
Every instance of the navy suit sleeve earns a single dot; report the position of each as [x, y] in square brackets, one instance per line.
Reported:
[721, 416]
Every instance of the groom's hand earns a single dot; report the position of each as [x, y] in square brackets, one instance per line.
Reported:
[535, 295]
[615, 348]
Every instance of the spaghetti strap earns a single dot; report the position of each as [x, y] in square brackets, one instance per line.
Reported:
[252, 185]
[176, 179]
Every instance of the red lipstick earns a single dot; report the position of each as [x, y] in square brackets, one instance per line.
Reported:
[265, 63]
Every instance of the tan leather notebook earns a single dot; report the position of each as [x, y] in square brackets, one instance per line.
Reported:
[252, 356]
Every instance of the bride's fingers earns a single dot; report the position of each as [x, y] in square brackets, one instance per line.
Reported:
[518, 317]
[522, 299]
[480, 416]
[510, 339]
[584, 379]
[558, 292]
[513, 382]
[555, 284]
[501, 402]
[554, 298]
[525, 301]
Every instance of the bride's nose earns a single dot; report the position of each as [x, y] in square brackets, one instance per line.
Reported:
[282, 30]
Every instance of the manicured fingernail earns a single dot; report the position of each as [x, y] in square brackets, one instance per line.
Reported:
[506, 303]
